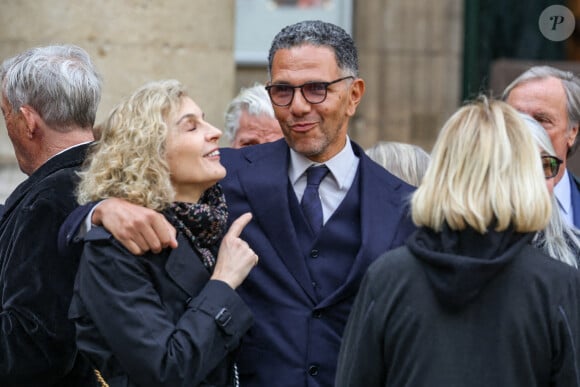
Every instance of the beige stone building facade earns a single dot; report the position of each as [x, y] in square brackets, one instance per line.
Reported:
[410, 57]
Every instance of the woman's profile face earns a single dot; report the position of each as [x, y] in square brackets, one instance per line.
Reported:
[192, 152]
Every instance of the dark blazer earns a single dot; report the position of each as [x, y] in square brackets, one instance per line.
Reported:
[37, 341]
[157, 319]
[279, 350]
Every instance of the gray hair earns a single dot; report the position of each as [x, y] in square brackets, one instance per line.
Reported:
[539, 133]
[254, 100]
[318, 33]
[571, 84]
[406, 161]
[59, 82]
[559, 239]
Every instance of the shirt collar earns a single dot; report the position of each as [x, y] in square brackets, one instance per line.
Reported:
[563, 193]
[339, 165]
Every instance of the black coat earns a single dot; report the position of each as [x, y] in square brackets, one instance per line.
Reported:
[37, 341]
[157, 319]
[445, 312]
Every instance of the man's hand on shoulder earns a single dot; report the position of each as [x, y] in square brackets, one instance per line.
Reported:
[139, 229]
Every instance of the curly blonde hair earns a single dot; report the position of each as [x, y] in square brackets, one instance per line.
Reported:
[129, 159]
[485, 171]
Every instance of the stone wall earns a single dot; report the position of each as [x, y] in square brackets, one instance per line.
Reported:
[411, 55]
[131, 42]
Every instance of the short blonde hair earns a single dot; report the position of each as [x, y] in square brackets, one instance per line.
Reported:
[485, 171]
[129, 160]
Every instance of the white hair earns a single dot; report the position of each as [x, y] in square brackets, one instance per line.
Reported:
[254, 100]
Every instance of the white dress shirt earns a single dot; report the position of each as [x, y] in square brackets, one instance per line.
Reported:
[334, 186]
[563, 193]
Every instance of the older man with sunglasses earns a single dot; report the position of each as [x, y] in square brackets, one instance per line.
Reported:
[552, 97]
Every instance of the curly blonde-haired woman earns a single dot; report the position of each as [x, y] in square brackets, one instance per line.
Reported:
[171, 318]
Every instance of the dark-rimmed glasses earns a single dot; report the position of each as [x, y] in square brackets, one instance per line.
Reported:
[551, 165]
[313, 92]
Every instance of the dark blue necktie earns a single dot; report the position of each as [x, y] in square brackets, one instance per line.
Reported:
[311, 205]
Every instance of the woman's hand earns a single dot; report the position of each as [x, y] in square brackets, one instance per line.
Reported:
[235, 257]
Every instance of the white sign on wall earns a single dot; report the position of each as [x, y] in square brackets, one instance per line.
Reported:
[258, 21]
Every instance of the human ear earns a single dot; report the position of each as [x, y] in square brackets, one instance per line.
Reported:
[31, 118]
[357, 90]
[572, 133]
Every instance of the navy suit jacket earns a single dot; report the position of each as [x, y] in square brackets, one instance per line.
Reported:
[575, 189]
[277, 351]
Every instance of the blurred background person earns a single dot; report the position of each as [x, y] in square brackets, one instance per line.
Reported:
[250, 120]
[171, 318]
[468, 301]
[406, 161]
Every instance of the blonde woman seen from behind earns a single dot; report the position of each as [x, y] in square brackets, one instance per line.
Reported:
[468, 301]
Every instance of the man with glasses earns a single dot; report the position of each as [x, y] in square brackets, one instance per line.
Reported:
[552, 97]
[315, 236]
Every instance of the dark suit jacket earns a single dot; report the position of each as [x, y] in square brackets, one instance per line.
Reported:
[157, 319]
[278, 349]
[575, 189]
[37, 341]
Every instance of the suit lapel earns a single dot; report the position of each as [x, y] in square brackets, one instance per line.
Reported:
[267, 185]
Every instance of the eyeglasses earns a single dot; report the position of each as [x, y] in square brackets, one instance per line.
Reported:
[313, 92]
[551, 165]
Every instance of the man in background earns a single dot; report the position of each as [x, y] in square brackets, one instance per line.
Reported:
[250, 119]
[552, 97]
[49, 99]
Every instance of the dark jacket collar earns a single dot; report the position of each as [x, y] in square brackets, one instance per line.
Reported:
[70, 158]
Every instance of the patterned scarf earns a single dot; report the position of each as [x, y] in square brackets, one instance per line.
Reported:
[203, 223]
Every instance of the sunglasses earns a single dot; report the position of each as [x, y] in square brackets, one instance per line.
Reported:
[551, 165]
